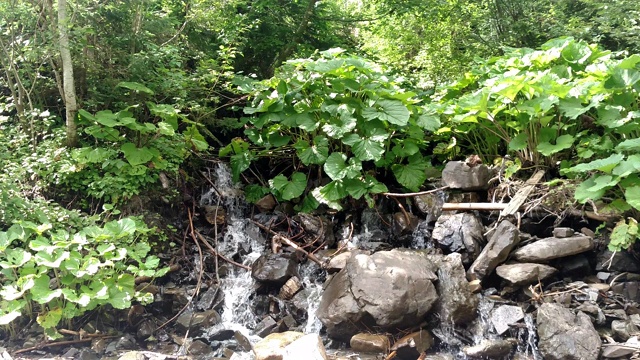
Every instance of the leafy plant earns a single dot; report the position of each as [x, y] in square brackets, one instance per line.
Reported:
[60, 275]
[127, 155]
[336, 116]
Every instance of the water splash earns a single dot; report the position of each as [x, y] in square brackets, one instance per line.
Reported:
[314, 293]
[531, 347]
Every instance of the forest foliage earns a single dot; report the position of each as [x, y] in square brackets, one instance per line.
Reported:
[342, 99]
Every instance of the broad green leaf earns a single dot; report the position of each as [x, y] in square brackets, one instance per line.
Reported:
[253, 192]
[41, 293]
[136, 155]
[405, 148]
[51, 318]
[623, 235]
[334, 191]
[120, 228]
[336, 128]
[313, 154]
[107, 118]
[576, 52]
[411, 175]
[518, 142]
[120, 299]
[135, 86]
[239, 163]
[622, 78]
[572, 107]
[582, 193]
[322, 199]
[308, 204]
[15, 258]
[603, 182]
[393, 111]
[336, 166]
[563, 142]
[289, 189]
[629, 145]
[429, 122]
[368, 149]
[627, 167]
[356, 188]
[632, 195]
[605, 165]
[52, 261]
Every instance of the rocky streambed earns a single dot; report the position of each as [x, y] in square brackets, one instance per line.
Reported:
[404, 280]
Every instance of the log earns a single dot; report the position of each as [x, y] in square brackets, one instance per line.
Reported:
[521, 196]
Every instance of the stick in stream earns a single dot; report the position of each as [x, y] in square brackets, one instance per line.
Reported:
[288, 242]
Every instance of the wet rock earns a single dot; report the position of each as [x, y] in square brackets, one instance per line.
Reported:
[265, 327]
[370, 343]
[272, 346]
[623, 329]
[215, 214]
[457, 303]
[338, 262]
[524, 273]
[389, 289]
[221, 334]
[563, 335]
[459, 175]
[274, 269]
[308, 347]
[459, 232]
[563, 232]
[490, 349]
[132, 355]
[551, 248]
[411, 346]
[404, 223]
[195, 322]
[504, 239]
[621, 261]
[85, 354]
[628, 289]
[430, 204]
[99, 345]
[298, 306]
[213, 298]
[146, 328]
[243, 342]
[621, 351]
[290, 288]
[504, 316]
[317, 228]
[198, 348]
[594, 311]
[266, 203]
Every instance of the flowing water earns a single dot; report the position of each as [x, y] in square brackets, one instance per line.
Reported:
[242, 240]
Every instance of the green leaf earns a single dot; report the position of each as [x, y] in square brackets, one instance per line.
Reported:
[429, 122]
[562, 143]
[518, 142]
[627, 167]
[393, 111]
[356, 188]
[623, 235]
[315, 154]
[253, 193]
[41, 293]
[135, 86]
[51, 318]
[632, 195]
[239, 163]
[583, 194]
[15, 258]
[572, 107]
[368, 149]
[107, 118]
[135, 155]
[629, 145]
[121, 228]
[605, 165]
[308, 204]
[335, 166]
[412, 175]
[334, 191]
[321, 197]
[603, 182]
[289, 189]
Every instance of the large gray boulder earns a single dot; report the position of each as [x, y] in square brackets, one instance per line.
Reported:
[389, 289]
[565, 336]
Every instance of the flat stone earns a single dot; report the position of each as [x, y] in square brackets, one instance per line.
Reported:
[459, 232]
[413, 345]
[490, 349]
[266, 203]
[370, 343]
[195, 322]
[552, 248]
[338, 262]
[504, 316]
[504, 239]
[243, 342]
[199, 348]
[459, 175]
[524, 273]
[307, 347]
[272, 346]
[563, 232]
[265, 327]
[565, 336]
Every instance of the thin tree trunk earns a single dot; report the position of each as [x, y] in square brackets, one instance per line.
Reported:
[297, 36]
[71, 105]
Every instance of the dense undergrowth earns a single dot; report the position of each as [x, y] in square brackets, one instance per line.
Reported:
[330, 129]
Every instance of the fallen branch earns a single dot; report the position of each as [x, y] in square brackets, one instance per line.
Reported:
[279, 237]
[214, 252]
[416, 193]
[61, 343]
[521, 196]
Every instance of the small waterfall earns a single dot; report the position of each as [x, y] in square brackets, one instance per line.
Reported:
[237, 285]
[530, 347]
[314, 293]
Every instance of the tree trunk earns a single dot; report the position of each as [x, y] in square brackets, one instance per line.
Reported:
[70, 102]
[300, 31]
